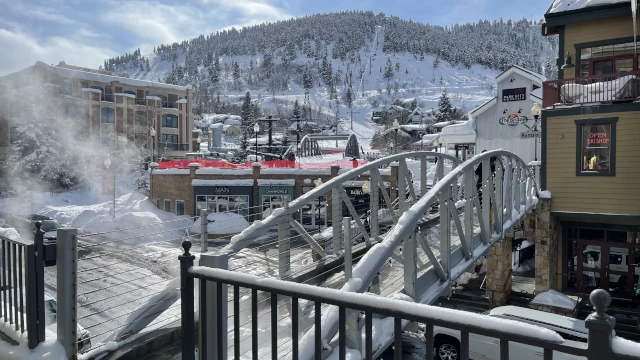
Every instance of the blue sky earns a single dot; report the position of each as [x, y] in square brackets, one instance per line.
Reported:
[85, 32]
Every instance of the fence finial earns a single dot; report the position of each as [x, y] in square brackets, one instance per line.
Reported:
[186, 245]
[601, 301]
[38, 226]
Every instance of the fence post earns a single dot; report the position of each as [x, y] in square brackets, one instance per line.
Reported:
[409, 251]
[34, 281]
[204, 228]
[218, 261]
[374, 204]
[346, 231]
[187, 303]
[336, 215]
[600, 326]
[284, 246]
[67, 272]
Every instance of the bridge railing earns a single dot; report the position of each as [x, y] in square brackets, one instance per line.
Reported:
[212, 337]
[392, 186]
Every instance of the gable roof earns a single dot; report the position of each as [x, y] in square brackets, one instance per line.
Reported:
[482, 108]
[535, 77]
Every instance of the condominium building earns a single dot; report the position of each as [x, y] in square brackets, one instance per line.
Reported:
[109, 108]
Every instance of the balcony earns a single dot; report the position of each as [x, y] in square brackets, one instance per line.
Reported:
[173, 146]
[596, 89]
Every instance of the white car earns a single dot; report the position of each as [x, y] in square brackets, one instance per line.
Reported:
[447, 342]
[51, 311]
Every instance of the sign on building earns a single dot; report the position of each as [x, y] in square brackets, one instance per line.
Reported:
[462, 146]
[530, 134]
[517, 94]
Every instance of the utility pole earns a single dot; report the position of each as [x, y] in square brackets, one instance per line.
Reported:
[270, 120]
[297, 120]
[353, 112]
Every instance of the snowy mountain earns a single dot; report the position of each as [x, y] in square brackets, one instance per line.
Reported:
[348, 61]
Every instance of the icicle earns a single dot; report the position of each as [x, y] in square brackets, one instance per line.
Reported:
[634, 8]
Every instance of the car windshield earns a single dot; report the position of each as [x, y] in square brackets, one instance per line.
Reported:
[50, 225]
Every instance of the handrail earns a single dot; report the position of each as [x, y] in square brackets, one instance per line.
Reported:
[602, 88]
[237, 241]
[503, 329]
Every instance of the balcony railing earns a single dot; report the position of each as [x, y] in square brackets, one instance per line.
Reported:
[173, 146]
[607, 88]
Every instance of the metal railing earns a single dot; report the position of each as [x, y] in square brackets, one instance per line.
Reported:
[22, 287]
[173, 146]
[606, 88]
[212, 344]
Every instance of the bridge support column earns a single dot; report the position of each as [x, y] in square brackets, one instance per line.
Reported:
[546, 247]
[499, 272]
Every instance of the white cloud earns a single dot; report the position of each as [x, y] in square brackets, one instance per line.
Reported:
[21, 50]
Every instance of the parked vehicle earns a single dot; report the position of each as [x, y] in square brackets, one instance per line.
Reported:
[26, 226]
[447, 342]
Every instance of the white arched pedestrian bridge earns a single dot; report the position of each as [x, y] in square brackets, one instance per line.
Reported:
[417, 238]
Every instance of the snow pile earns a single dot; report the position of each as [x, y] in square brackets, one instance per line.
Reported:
[599, 91]
[524, 266]
[222, 224]
[459, 133]
[625, 347]
[546, 194]
[50, 349]
[555, 299]
[568, 5]
[464, 280]
[9, 233]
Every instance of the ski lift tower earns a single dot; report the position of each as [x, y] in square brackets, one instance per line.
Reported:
[270, 119]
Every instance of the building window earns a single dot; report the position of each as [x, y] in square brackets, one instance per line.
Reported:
[238, 204]
[141, 129]
[169, 138]
[167, 205]
[271, 202]
[179, 207]
[170, 121]
[596, 141]
[164, 99]
[108, 127]
[608, 59]
[101, 91]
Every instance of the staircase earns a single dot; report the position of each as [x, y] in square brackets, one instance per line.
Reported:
[626, 319]
[471, 298]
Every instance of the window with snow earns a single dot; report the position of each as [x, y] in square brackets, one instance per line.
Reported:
[170, 121]
[596, 141]
[108, 127]
[169, 138]
[164, 99]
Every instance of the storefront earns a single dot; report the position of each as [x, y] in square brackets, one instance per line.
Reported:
[314, 215]
[274, 193]
[218, 196]
[601, 256]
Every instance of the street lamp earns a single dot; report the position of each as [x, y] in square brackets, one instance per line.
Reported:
[396, 127]
[199, 141]
[535, 111]
[107, 164]
[256, 129]
[152, 132]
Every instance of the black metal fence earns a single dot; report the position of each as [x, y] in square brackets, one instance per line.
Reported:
[599, 324]
[22, 286]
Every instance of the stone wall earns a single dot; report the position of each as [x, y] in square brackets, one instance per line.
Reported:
[498, 279]
[553, 310]
[546, 244]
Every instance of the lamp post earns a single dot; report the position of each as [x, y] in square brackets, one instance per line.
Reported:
[210, 142]
[396, 127]
[199, 141]
[107, 164]
[256, 129]
[535, 111]
[152, 132]
[318, 184]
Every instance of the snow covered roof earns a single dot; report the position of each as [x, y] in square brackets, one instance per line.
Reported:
[92, 90]
[181, 101]
[223, 171]
[535, 77]
[126, 95]
[91, 76]
[464, 133]
[482, 108]
[447, 123]
[536, 95]
[428, 139]
[412, 127]
[569, 5]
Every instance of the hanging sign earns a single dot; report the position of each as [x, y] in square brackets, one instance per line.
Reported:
[530, 134]
[517, 94]
[276, 192]
[107, 182]
[513, 120]
[462, 146]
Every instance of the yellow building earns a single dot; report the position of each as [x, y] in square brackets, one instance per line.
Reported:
[590, 159]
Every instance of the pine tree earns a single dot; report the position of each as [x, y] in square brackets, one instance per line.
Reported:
[388, 70]
[236, 73]
[148, 66]
[246, 122]
[445, 109]
[327, 72]
[349, 98]
[296, 110]
[307, 80]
